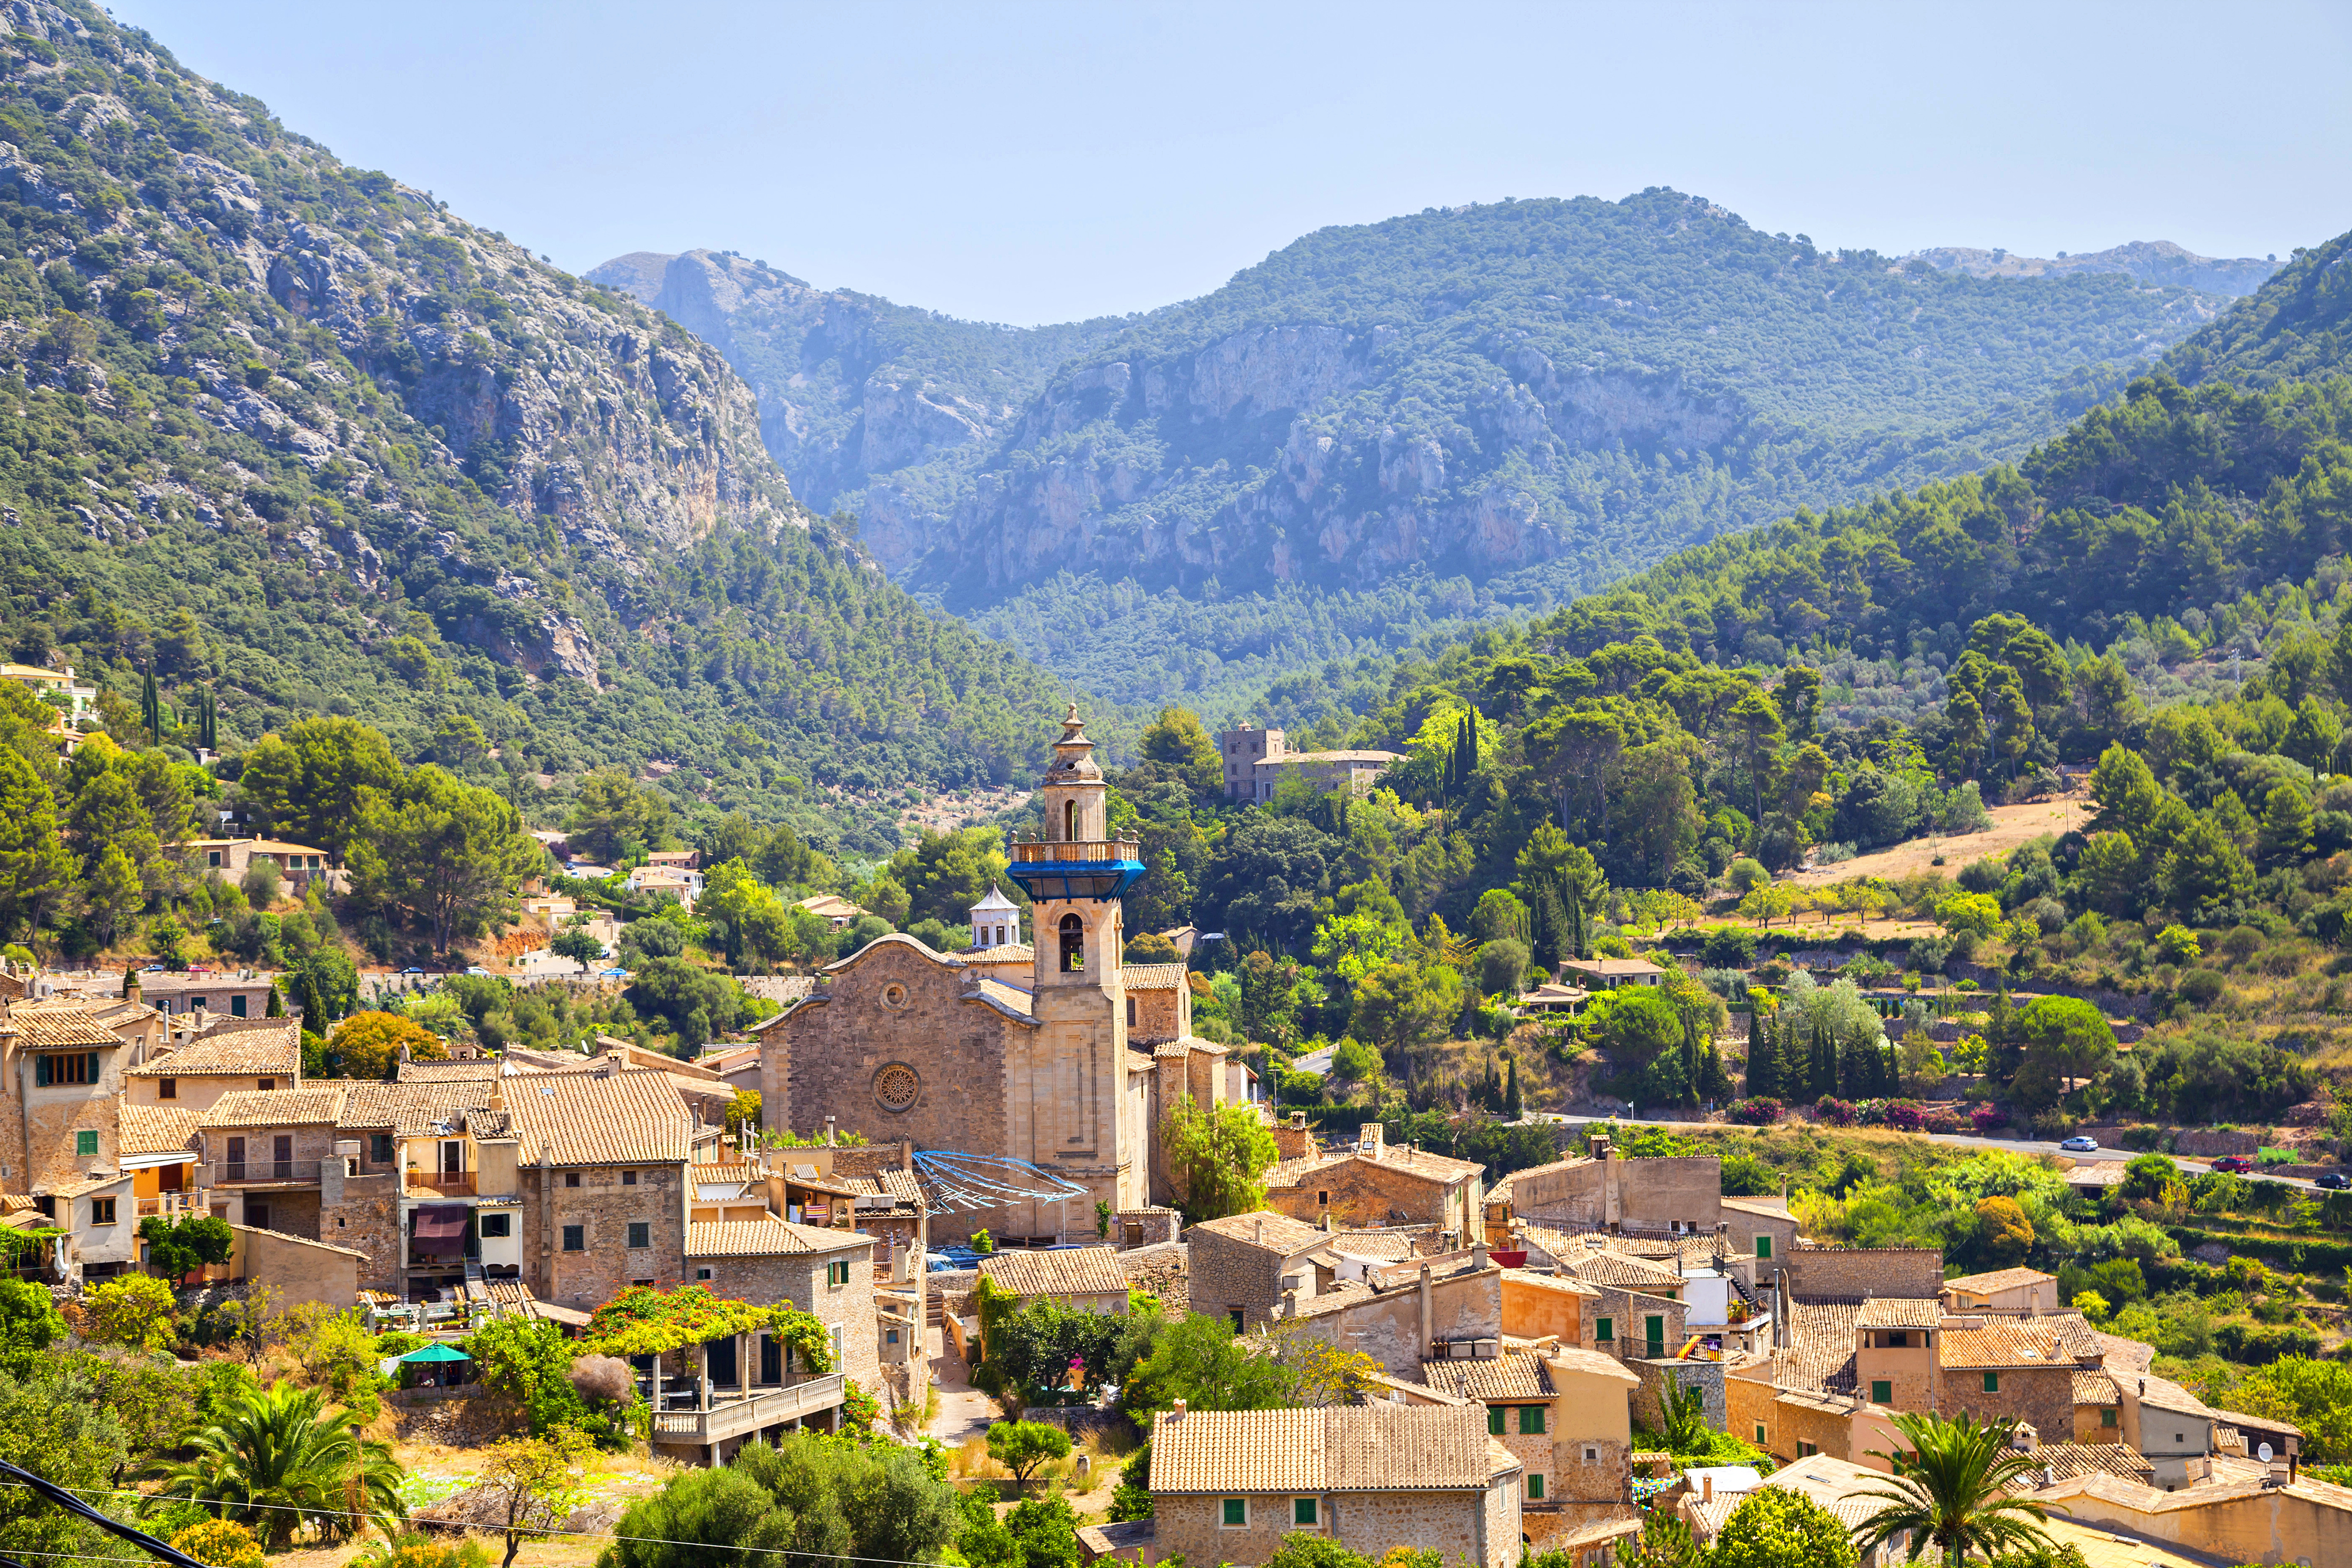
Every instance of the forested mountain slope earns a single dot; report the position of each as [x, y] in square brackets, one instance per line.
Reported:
[2149, 260]
[293, 432]
[2298, 324]
[1389, 429]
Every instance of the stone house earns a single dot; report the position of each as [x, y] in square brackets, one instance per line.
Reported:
[2170, 1427]
[826, 1272]
[1242, 1266]
[1609, 973]
[1851, 1273]
[2017, 1290]
[1256, 761]
[298, 865]
[261, 1152]
[1400, 1313]
[1633, 1324]
[203, 999]
[2246, 1518]
[1665, 1195]
[1565, 1413]
[1377, 1184]
[2023, 1369]
[155, 1145]
[1545, 1306]
[1086, 1277]
[601, 1170]
[1228, 1485]
[261, 1055]
[60, 1071]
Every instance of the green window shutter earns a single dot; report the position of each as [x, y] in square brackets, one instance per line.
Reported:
[85, 1143]
[1302, 1511]
[1763, 1246]
[1606, 1332]
[1531, 1420]
[1759, 1434]
[2106, 1417]
[1882, 1392]
[1534, 1488]
[1992, 1383]
[1653, 1329]
[1494, 1420]
[1236, 1513]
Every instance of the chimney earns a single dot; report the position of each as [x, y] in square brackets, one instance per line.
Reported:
[1478, 1254]
[1707, 1488]
[1260, 1236]
[828, 1131]
[1177, 1413]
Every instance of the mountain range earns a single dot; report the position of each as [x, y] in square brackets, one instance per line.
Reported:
[1399, 430]
[292, 433]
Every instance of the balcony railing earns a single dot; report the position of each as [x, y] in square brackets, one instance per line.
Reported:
[166, 1204]
[447, 1183]
[1076, 869]
[766, 1407]
[234, 1173]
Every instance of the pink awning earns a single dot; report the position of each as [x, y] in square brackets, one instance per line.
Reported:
[441, 1222]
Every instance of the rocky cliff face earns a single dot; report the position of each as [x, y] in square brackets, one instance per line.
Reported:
[1534, 395]
[271, 378]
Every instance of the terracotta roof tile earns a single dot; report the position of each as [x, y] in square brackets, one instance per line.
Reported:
[2018, 1342]
[1073, 1271]
[766, 1238]
[629, 1118]
[1617, 1269]
[1499, 1377]
[1998, 1279]
[153, 1128]
[1152, 976]
[1821, 1357]
[482, 1069]
[1280, 1233]
[270, 1052]
[1359, 1449]
[2092, 1387]
[275, 1107]
[1899, 1312]
[1012, 998]
[412, 1107]
[58, 1024]
[2067, 1460]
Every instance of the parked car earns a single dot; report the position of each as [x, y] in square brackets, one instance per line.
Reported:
[2332, 1180]
[2080, 1143]
[2235, 1164]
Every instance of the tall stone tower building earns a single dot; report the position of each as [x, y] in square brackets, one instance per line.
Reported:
[899, 1041]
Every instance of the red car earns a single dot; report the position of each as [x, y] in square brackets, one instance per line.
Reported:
[2235, 1164]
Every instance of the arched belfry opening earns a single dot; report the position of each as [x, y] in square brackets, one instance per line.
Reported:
[1073, 944]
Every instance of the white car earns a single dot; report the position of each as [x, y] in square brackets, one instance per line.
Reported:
[2080, 1143]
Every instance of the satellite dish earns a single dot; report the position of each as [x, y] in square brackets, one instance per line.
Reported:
[2264, 1452]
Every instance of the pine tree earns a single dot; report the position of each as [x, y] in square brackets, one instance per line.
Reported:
[35, 865]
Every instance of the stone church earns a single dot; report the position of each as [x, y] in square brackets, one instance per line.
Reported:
[1052, 1053]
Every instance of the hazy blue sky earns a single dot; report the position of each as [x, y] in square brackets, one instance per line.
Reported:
[1037, 163]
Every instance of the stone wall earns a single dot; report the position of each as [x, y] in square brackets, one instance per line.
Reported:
[1146, 1227]
[2043, 1396]
[799, 1278]
[1747, 1406]
[1364, 1194]
[602, 1204]
[1387, 1327]
[1628, 1312]
[1225, 1273]
[1660, 1192]
[1842, 1273]
[363, 1212]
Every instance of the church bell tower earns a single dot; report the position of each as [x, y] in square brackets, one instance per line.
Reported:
[1074, 873]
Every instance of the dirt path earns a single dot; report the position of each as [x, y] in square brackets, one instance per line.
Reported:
[2012, 825]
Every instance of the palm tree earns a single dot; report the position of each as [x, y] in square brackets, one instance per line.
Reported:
[1951, 1488]
[277, 1459]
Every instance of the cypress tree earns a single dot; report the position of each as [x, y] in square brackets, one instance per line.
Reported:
[277, 1008]
[151, 707]
[1824, 1064]
[1513, 1106]
[1763, 1057]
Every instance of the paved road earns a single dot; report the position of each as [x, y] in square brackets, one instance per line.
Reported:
[2015, 1146]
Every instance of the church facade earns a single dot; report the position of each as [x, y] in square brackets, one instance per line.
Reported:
[981, 1058]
